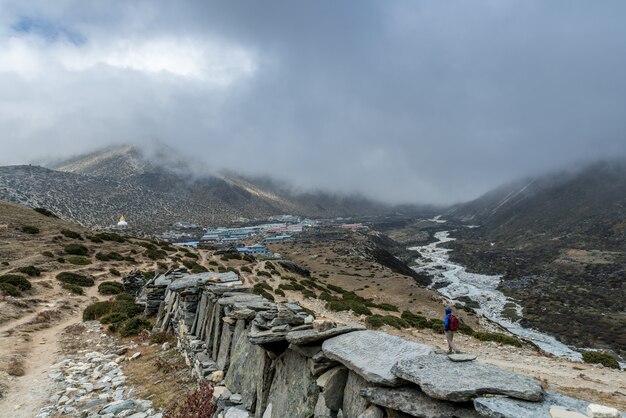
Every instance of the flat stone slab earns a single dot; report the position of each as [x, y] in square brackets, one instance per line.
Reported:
[372, 354]
[264, 337]
[443, 379]
[462, 357]
[414, 402]
[309, 336]
[500, 407]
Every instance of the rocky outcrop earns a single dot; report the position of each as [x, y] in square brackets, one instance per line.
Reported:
[274, 360]
[441, 378]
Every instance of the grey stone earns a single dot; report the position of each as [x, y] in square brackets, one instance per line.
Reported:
[236, 413]
[117, 407]
[310, 336]
[333, 382]
[321, 410]
[293, 392]
[372, 354]
[223, 355]
[319, 363]
[500, 407]
[265, 337]
[353, 403]
[414, 402]
[443, 379]
[236, 398]
[462, 357]
[372, 411]
[306, 350]
[249, 364]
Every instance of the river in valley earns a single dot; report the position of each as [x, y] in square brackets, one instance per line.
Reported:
[454, 281]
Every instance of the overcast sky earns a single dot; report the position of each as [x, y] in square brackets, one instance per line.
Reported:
[408, 101]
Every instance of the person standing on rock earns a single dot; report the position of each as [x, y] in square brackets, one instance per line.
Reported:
[450, 325]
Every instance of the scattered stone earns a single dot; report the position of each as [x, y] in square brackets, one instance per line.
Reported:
[135, 356]
[165, 346]
[221, 392]
[118, 406]
[600, 411]
[372, 354]
[236, 413]
[443, 379]
[217, 376]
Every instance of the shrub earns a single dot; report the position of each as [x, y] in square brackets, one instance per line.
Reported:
[198, 403]
[601, 357]
[309, 294]
[244, 269]
[76, 249]
[154, 254]
[279, 292]
[346, 305]
[263, 274]
[75, 289]
[30, 229]
[192, 255]
[115, 272]
[110, 236]
[60, 260]
[113, 318]
[160, 337]
[146, 245]
[197, 268]
[387, 307]
[78, 260]
[47, 254]
[133, 326]
[414, 320]
[110, 288]
[466, 329]
[16, 280]
[325, 296]
[125, 297]
[436, 325]
[95, 239]
[45, 212]
[9, 290]
[213, 263]
[269, 265]
[377, 321]
[5, 263]
[30, 270]
[335, 288]
[74, 278]
[97, 310]
[499, 338]
[109, 256]
[71, 234]
[262, 286]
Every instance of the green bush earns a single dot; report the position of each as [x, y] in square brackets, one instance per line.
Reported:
[264, 274]
[110, 236]
[325, 296]
[125, 297]
[387, 307]
[95, 239]
[9, 290]
[155, 254]
[133, 326]
[245, 269]
[74, 278]
[75, 289]
[192, 255]
[335, 288]
[436, 325]
[262, 286]
[279, 292]
[45, 212]
[47, 254]
[60, 260]
[76, 249]
[213, 263]
[600, 357]
[110, 288]
[146, 245]
[466, 329]
[5, 263]
[269, 265]
[197, 268]
[113, 318]
[30, 229]
[115, 271]
[347, 305]
[497, 337]
[414, 320]
[109, 256]
[377, 321]
[71, 234]
[30, 270]
[97, 310]
[309, 294]
[190, 263]
[78, 260]
[16, 280]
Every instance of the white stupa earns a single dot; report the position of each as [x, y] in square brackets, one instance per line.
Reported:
[122, 222]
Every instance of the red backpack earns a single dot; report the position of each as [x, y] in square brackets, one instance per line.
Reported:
[454, 323]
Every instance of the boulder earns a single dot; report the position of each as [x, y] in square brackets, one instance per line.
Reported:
[293, 392]
[443, 379]
[310, 335]
[372, 354]
[414, 402]
[353, 403]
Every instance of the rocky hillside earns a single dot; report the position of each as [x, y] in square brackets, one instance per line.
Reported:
[154, 189]
[559, 240]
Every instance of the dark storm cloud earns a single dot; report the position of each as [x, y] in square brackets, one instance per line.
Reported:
[404, 101]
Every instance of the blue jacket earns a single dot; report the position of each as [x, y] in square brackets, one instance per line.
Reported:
[446, 320]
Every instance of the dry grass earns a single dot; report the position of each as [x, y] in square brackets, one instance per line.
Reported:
[162, 377]
[16, 367]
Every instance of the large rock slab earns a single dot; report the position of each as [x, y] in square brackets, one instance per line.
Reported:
[293, 392]
[372, 354]
[310, 336]
[499, 407]
[441, 378]
[416, 403]
[353, 403]
[333, 383]
[246, 373]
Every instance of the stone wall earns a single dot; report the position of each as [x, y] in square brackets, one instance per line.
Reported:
[274, 360]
